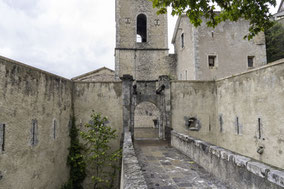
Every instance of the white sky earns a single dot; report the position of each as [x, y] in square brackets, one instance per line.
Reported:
[64, 37]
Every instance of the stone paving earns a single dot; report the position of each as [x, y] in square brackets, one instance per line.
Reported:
[166, 168]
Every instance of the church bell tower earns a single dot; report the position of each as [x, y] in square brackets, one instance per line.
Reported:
[141, 40]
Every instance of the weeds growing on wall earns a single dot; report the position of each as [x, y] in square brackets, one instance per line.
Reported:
[99, 155]
[75, 160]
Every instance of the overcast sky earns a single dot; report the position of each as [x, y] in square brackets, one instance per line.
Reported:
[64, 37]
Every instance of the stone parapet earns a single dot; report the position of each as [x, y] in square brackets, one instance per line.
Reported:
[237, 170]
[131, 173]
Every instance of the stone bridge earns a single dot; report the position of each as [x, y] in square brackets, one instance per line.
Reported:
[189, 163]
[178, 161]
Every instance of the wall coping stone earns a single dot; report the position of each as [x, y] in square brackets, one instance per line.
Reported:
[260, 169]
[132, 177]
[2, 58]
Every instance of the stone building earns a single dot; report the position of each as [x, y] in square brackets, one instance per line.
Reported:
[205, 53]
[200, 53]
[141, 41]
[230, 121]
[101, 74]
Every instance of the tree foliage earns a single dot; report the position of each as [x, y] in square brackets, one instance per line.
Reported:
[275, 42]
[255, 11]
[99, 154]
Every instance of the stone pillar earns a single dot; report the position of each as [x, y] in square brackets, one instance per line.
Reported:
[165, 107]
[127, 101]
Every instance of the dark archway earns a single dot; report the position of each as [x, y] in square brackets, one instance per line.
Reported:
[141, 28]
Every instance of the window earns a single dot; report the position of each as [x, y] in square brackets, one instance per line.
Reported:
[2, 137]
[180, 76]
[250, 61]
[211, 61]
[141, 36]
[34, 132]
[54, 129]
[185, 74]
[182, 40]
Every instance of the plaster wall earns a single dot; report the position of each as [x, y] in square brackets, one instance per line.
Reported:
[29, 94]
[104, 98]
[240, 113]
[185, 55]
[194, 99]
[231, 50]
[256, 99]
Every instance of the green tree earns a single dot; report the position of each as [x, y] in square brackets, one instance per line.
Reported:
[275, 42]
[256, 11]
[99, 154]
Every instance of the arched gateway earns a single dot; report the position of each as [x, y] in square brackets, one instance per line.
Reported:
[155, 92]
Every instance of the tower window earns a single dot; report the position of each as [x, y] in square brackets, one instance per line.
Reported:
[250, 61]
[211, 61]
[182, 40]
[141, 28]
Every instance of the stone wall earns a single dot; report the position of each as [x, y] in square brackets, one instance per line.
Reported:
[194, 99]
[236, 170]
[35, 107]
[131, 173]
[251, 107]
[225, 43]
[104, 98]
[241, 113]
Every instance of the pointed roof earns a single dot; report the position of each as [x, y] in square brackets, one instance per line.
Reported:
[92, 72]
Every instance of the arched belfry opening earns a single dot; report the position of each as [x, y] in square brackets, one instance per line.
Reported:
[146, 121]
[141, 36]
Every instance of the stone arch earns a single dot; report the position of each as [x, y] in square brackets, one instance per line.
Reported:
[146, 120]
[141, 28]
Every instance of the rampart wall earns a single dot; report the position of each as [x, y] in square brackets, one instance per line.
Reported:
[242, 113]
[104, 98]
[35, 108]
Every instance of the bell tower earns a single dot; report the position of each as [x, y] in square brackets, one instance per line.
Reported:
[141, 40]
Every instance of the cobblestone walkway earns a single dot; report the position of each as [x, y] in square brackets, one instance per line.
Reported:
[166, 168]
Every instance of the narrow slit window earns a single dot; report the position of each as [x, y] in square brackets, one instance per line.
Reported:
[34, 132]
[54, 129]
[211, 61]
[2, 137]
[250, 61]
[182, 40]
[141, 36]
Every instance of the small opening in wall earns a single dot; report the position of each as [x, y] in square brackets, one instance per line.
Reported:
[250, 61]
[238, 126]
[193, 124]
[141, 28]
[182, 40]
[34, 131]
[54, 129]
[211, 61]
[2, 137]
[259, 128]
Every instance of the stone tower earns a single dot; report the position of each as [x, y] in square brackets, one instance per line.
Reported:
[141, 41]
